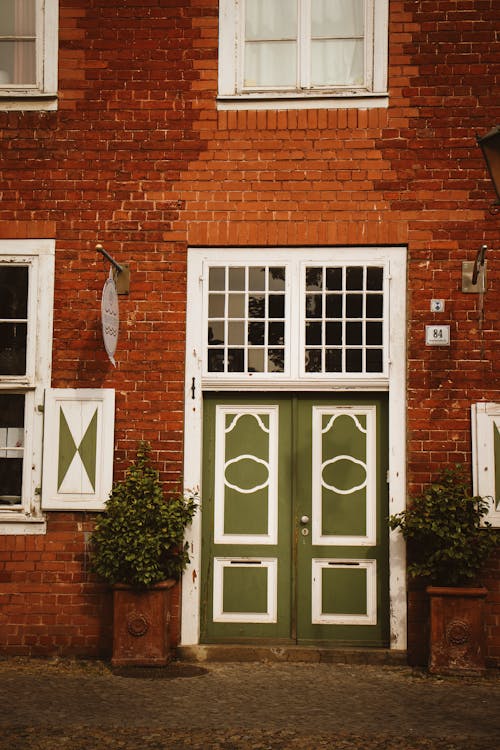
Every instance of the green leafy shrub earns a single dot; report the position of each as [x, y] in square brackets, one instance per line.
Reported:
[448, 541]
[139, 538]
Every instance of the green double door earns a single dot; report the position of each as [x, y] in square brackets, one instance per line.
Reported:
[295, 539]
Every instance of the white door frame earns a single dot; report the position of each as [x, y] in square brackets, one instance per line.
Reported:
[394, 383]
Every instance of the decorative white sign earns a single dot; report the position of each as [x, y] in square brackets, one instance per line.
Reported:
[437, 335]
[110, 317]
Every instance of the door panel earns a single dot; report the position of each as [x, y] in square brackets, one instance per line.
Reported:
[294, 519]
[246, 566]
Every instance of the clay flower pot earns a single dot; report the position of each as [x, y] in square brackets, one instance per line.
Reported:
[141, 620]
[457, 639]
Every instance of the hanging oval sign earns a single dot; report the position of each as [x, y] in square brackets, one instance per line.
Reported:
[110, 318]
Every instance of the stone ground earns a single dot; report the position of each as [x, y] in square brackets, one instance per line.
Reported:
[67, 705]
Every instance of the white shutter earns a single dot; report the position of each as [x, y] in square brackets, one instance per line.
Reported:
[78, 448]
[486, 456]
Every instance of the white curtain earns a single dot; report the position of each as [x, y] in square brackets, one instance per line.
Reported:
[25, 49]
[337, 42]
[271, 42]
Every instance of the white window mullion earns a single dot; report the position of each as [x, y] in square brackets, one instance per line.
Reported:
[369, 45]
[291, 334]
[379, 22]
[304, 44]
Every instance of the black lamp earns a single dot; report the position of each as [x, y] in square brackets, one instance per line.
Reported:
[490, 146]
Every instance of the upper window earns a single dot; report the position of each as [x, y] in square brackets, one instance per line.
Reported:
[28, 54]
[26, 284]
[296, 49]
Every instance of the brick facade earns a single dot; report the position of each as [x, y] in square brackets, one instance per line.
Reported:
[138, 157]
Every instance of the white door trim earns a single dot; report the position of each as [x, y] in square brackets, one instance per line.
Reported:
[394, 382]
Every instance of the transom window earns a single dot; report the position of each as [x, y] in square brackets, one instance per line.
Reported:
[246, 319]
[294, 319]
[297, 48]
[28, 53]
[344, 319]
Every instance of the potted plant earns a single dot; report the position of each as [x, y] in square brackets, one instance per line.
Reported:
[448, 544]
[138, 547]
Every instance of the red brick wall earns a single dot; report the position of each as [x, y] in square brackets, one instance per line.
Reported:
[138, 158]
[49, 604]
[102, 169]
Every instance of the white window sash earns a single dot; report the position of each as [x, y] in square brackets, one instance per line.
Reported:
[485, 419]
[38, 94]
[232, 63]
[39, 256]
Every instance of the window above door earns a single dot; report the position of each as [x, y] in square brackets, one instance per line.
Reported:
[302, 53]
[28, 54]
[278, 318]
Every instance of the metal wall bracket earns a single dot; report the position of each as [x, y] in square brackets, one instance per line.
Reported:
[121, 273]
[474, 274]
[468, 271]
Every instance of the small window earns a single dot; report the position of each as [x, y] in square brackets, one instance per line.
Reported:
[28, 54]
[12, 407]
[303, 49]
[26, 292]
[486, 456]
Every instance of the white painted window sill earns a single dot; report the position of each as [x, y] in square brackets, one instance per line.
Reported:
[33, 102]
[304, 101]
[22, 525]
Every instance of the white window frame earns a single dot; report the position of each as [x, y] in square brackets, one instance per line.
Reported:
[39, 256]
[43, 94]
[294, 375]
[485, 417]
[233, 95]
[394, 383]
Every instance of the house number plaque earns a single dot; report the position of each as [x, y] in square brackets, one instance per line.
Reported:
[437, 335]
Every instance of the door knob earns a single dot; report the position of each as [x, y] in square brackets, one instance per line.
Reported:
[304, 519]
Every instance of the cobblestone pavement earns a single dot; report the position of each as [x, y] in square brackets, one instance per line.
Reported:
[244, 706]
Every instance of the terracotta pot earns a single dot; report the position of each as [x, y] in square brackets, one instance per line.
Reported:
[457, 637]
[140, 625]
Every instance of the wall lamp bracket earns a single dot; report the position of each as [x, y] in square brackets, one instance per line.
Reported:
[474, 273]
[121, 273]
[490, 146]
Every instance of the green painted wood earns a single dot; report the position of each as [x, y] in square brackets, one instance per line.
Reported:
[88, 450]
[67, 449]
[294, 551]
[245, 589]
[344, 591]
[251, 522]
[347, 515]
[246, 444]
[341, 513]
